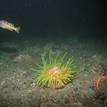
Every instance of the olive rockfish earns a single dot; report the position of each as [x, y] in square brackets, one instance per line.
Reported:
[10, 26]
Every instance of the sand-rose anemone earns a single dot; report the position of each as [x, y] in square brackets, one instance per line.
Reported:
[54, 71]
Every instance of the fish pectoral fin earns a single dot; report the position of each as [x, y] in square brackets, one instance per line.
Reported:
[11, 29]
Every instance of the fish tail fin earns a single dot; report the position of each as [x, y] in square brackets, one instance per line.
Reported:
[18, 30]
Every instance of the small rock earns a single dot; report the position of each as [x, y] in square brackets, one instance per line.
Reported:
[44, 105]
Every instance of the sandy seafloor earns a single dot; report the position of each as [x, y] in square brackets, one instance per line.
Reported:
[19, 57]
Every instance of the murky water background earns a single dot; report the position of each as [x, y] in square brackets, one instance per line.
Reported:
[74, 27]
